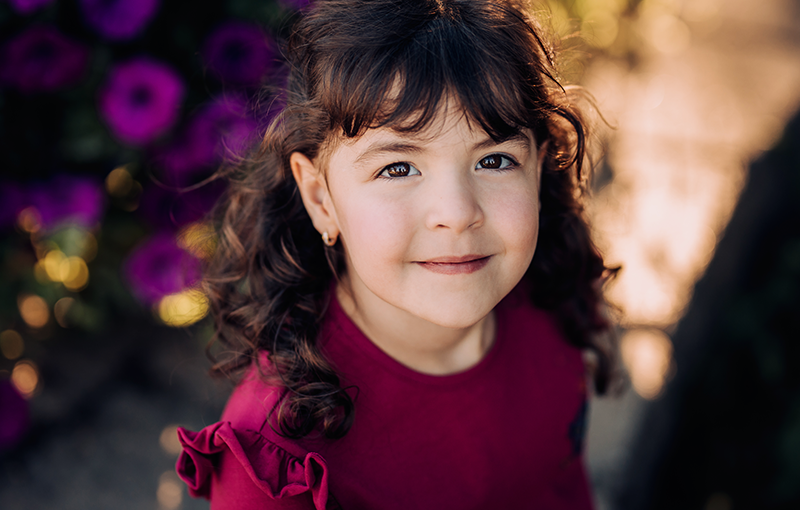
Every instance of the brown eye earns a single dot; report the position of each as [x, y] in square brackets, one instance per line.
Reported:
[398, 170]
[496, 162]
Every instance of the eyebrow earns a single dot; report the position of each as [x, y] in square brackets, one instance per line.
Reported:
[405, 147]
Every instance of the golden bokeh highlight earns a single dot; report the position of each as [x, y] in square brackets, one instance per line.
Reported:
[29, 220]
[182, 309]
[169, 440]
[119, 182]
[61, 309]
[25, 377]
[71, 271]
[647, 354]
[33, 309]
[170, 491]
[199, 239]
[11, 344]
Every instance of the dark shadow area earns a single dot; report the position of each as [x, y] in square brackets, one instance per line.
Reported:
[726, 432]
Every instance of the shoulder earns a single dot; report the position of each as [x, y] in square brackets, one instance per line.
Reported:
[240, 462]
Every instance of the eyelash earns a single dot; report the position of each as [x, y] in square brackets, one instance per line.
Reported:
[512, 163]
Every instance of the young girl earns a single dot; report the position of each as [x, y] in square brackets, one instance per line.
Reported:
[404, 281]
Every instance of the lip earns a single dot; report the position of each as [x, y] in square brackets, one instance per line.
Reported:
[456, 265]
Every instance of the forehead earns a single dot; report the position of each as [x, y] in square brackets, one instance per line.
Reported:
[451, 124]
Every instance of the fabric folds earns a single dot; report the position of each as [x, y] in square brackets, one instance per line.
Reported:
[272, 469]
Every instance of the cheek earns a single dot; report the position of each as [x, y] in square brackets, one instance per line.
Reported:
[518, 224]
[375, 231]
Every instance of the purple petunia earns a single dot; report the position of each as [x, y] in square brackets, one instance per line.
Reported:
[141, 100]
[118, 20]
[28, 6]
[239, 53]
[14, 415]
[41, 59]
[221, 130]
[159, 267]
[67, 199]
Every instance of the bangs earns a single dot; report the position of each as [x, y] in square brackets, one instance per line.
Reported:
[484, 57]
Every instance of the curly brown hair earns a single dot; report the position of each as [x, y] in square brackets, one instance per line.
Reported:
[270, 278]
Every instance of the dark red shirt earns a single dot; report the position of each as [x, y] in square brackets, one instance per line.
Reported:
[505, 433]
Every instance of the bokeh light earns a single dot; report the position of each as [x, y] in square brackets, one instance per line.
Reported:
[25, 378]
[183, 308]
[29, 220]
[11, 344]
[169, 440]
[647, 354]
[199, 239]
[119, 182]
[61, 311]
[170, 491]
[34, 310]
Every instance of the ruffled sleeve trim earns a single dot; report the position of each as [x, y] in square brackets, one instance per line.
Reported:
[272, 469]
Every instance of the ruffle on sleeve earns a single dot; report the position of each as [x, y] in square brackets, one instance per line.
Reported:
[272, 469]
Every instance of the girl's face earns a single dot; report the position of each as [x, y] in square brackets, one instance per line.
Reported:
[440, 224]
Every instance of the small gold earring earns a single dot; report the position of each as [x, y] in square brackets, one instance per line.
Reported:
[327, 239]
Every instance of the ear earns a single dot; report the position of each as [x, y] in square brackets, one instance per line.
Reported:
[314, 192]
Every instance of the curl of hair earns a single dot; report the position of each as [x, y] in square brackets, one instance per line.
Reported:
[396, 63]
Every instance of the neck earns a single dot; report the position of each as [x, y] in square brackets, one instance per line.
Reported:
[414, 342]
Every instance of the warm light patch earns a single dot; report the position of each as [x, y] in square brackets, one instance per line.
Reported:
[183, 309]
[11, 344]
[29, 220]
[119, 182]
[33, 309]
[198, 239]
[61, 309]
[170, 491]
[25, 378]
[71, 271]
[169, 440]
[647, 355]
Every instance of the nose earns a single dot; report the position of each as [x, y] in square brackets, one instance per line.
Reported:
[454, 204]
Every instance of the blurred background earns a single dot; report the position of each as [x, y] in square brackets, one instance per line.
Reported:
[115, 113]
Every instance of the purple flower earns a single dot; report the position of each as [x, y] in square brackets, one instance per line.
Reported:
[41, 59]
[14, 415]
[239, 53]
[159, 267]
[118, 20]
[141, 100]
[174, 209]
[28, 6]
[221, 129]
[67, 199]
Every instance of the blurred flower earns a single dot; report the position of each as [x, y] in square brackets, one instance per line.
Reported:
[220, 129]
[118, 19]
[239, 53]
[175, 209]
[67, 199]
[14, 415]
[41, 59]
[13, 200]
[160, 267]
[28, 6]
[141, 100]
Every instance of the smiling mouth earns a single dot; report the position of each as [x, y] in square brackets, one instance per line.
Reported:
[456, 265]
